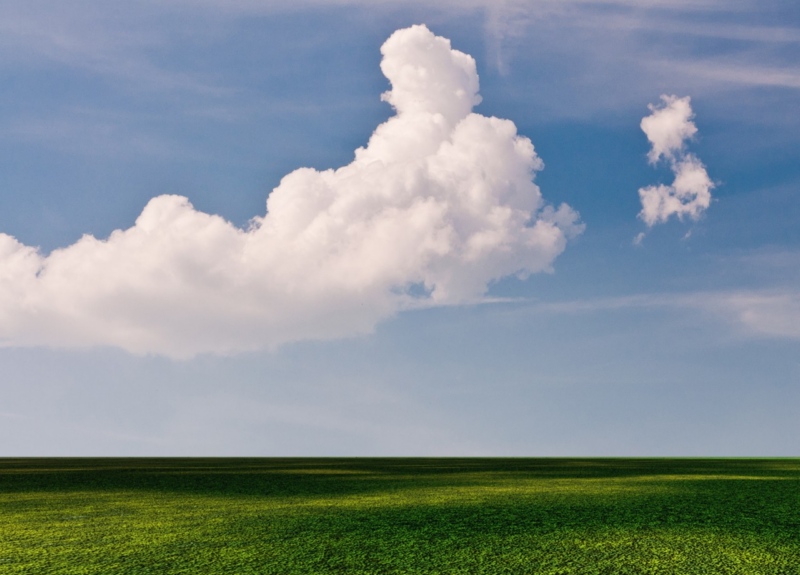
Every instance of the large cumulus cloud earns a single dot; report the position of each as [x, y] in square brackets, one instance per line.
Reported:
[439, 204]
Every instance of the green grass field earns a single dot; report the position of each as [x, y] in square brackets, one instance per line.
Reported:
[285, 516]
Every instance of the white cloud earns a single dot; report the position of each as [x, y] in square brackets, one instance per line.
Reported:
[440, 202]
[775, 314]
[668, 128]
[741, 72]
[759, 313]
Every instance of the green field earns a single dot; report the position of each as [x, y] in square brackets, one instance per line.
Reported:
[285, 516]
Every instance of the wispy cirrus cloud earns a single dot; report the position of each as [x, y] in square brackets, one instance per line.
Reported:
[772, 313]
[755, 313]
[741, 73]
[95, 38]
[120, 41]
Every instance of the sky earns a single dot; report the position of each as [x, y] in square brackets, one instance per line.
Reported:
[400, 228]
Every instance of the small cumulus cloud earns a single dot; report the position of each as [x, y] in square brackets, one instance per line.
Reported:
[438, 204]
[668, 128]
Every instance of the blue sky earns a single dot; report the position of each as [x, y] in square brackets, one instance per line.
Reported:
[686, 344]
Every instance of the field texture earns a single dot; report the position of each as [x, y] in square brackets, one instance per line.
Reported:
[287, 516]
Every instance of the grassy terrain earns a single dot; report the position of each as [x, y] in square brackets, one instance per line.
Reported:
[287, 516]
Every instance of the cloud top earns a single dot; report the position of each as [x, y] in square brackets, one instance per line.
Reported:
[668, 128]
[439, 204]
[428, 76]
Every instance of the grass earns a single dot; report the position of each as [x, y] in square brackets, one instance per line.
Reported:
[360, 516]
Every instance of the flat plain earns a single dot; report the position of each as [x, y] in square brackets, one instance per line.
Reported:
[375, 516]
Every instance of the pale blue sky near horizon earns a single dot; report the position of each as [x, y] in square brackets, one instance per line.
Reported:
[687, 344]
